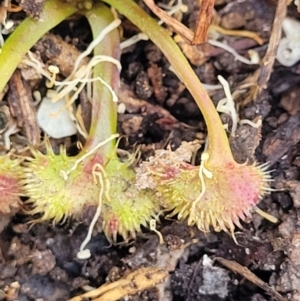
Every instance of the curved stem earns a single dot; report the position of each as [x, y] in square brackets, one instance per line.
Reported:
[28, 33]
[104, 110]
[218, 141]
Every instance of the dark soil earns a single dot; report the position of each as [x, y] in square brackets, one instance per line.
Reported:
[39, 262]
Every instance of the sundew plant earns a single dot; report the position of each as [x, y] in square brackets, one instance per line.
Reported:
[219, 193]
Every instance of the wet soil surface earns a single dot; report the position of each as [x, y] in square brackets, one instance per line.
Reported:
[39, 262]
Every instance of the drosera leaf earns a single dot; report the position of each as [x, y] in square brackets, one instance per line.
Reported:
[129, 208]
[10, 185]
[206, 196]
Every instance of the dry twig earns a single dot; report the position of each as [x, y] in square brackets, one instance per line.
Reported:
[177, 26]
[137, 281]
[262, 75]
[203, 21]
[246, 273]
[21, 105]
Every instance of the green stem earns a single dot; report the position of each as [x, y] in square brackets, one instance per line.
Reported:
[104, 110]
[28, 33]
[218, 141]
